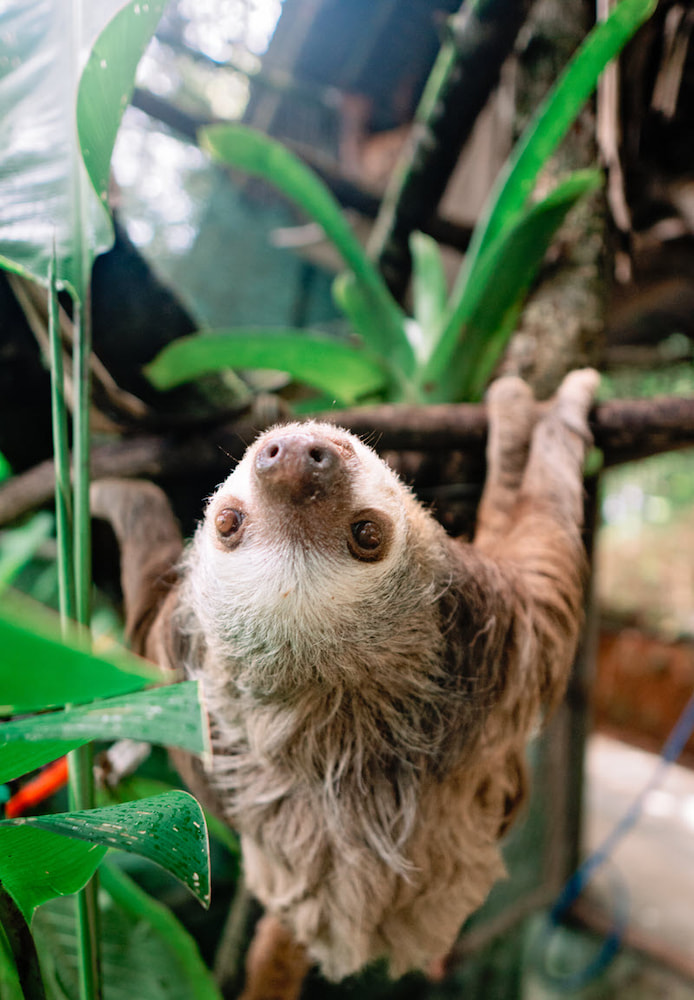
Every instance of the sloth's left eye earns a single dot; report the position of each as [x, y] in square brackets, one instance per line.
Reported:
[369, 537]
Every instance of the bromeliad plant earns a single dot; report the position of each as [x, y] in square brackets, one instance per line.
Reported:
[448, 350]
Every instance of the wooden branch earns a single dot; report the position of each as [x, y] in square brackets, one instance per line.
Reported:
[481, 36]
[625, 430]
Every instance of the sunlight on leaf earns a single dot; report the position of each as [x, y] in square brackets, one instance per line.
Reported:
[45, 194]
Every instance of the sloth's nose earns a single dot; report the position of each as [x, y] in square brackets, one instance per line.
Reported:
[302, 466]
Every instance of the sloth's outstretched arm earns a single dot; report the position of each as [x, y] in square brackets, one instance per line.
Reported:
[150, 545]
[531, 517]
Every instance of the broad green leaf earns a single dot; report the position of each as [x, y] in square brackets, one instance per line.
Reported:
[107, 83]
[45, 194]
[65, 865]
[547, 128]
[18, 546]
[170, 715]
[146, 953]
[21, 758]
[345, 372]
[188, 975]
[429, 293]
[168, 829]
[251, 151]
[39, 670]
[479, 329]
[137, 786]
[45, 197]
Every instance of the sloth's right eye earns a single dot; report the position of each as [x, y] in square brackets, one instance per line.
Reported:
[228, 521]
[367, 535]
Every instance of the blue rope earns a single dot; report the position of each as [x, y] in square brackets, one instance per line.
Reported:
[573, 888]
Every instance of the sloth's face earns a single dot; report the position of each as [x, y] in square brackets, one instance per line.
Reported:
[310, 514]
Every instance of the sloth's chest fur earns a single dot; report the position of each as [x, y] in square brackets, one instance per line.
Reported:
[330, 743]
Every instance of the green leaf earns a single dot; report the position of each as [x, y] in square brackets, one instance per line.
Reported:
[136, 786]
[18, 758]
[45, 195]
[168, 829]
[170, 715]
[65, 865]
[39, 670]
[107, 83]
[549, 125]
[251, 151]
[345, 372]
[18, 546]
[180, 960]
[429, 292]
[479, 328]
[146, 953]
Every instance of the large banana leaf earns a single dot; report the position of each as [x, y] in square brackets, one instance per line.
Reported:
[46, 198]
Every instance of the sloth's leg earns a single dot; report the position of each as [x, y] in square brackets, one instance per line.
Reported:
[276, 965]
[512, 415]
[150, 546]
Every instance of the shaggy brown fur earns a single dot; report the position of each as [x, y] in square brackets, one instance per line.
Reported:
[371, 682]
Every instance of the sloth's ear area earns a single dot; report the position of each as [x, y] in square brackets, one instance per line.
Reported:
[150, 544]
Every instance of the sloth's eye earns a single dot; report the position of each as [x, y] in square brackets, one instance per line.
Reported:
[369, 536]
[228, 521]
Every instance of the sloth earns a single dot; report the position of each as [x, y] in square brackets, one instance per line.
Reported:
[371, 682]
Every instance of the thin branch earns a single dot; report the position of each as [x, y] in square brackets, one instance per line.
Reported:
[481, 36]
[625, 430]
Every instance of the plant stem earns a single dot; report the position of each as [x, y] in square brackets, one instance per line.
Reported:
[63, 488]
[81, 779]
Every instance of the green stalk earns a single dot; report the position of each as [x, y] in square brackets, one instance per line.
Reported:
[81, 781]
[63, 487]
[74, 604]
[81, 786]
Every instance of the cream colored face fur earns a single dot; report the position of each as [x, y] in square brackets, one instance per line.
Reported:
[294, 560]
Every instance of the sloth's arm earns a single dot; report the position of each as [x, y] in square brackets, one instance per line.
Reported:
[150, 547]
[530, 522]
